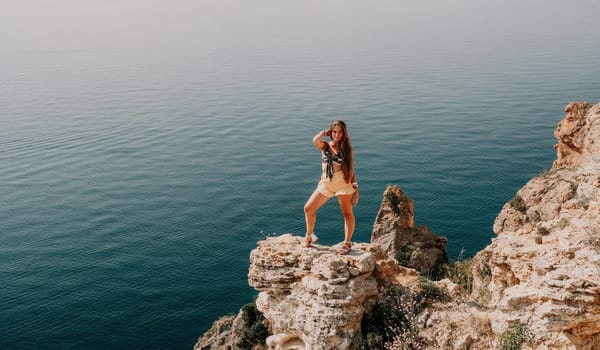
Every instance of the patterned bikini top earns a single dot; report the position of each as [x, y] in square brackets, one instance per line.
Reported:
[329, 158]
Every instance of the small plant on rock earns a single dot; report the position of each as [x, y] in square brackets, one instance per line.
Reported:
[541, 230]
[252, 329]
[514, 337]
[393, 323]
[518, 203]
[393, 199]
[403, 256]
[461, 273]
[584, 203]
[405, 331]
[429, 293]
[574, 187]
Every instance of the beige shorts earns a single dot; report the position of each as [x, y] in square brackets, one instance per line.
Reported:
[335, 186]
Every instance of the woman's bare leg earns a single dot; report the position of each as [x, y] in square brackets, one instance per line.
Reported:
[349, 221]
[314, 202]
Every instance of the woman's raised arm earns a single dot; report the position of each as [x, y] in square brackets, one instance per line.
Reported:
[318, 139]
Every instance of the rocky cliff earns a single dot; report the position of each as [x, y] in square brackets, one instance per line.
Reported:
[541, 274]
[536, 286]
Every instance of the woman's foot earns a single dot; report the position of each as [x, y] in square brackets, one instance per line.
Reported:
[310, 239]
[346, 246]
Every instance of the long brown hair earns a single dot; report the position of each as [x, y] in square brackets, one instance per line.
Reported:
[346, 147]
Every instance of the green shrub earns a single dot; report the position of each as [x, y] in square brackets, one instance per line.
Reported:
[429, 293]
[518, 203]
[514, 337]
[461, 273]
[253, 330]
[574, 187]
[393, 199]
[403, 256]
[584, 203]
[485, 270]
[371, 340]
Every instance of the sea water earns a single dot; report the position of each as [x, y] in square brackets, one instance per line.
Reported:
[146, 147]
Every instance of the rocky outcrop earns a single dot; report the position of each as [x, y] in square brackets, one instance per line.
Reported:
[394, 230]
[578, 135]
[542, 271]
[313, 298]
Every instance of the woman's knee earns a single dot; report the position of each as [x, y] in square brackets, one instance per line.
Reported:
[309, 209]
[348, 214]
[315, 202]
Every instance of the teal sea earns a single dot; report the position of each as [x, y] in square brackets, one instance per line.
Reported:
[146, 146]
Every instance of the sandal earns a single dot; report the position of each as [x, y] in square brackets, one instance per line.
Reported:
[310, 239]
[346, 246]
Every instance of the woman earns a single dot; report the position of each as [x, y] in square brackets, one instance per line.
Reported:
[338, 179]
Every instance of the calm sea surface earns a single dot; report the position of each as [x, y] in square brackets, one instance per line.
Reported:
[145, 147]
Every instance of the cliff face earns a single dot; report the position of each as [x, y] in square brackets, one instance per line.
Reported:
[578, 137]
[545, 262]
[542, 271]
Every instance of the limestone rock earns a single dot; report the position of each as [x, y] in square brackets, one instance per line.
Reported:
[458, 327]
[395, 232]
[313, 298]
[542, 270]
[577, 134]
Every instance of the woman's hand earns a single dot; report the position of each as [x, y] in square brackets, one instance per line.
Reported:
[317, 140]
[355, 197]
